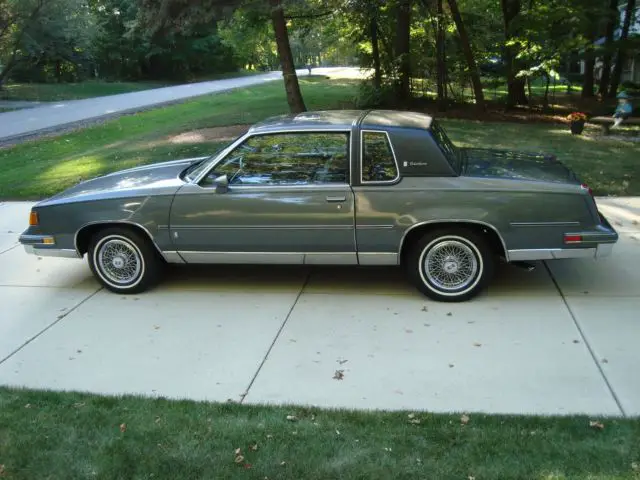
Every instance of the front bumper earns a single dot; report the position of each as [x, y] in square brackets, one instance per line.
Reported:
[45, 246]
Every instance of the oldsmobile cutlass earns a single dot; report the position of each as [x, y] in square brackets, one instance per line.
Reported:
[332, 187]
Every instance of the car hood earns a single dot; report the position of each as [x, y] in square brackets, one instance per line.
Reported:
[515, 165]
[161, 177]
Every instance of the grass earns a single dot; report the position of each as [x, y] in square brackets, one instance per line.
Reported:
[609, 166]
[54, 92]
[41, 168]
[70, 435]
[38, 169]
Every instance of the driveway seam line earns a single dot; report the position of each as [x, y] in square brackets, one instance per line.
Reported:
[60, 318]
[586, 342]
[10, 248]
[275, 339]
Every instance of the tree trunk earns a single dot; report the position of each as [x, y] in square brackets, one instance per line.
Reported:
[291, 85]
[516, 94]
[375, 51]
[622, 49]
[468, 53]
[545, 100]
[402, 49]
[441, 59]
[612, 21]
[589, 65]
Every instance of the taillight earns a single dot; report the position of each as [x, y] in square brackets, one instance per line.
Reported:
[586, 187]
[570, 238]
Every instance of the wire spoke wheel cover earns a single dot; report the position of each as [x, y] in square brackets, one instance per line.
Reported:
[451, 265]
[119, 261]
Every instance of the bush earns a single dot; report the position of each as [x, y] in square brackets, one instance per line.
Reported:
[369, 96]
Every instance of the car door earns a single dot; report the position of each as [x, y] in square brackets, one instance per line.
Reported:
[287, 200]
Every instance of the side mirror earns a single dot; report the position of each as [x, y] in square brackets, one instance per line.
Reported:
[222, 184]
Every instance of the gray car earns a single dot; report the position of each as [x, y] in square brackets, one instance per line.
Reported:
[343, 187]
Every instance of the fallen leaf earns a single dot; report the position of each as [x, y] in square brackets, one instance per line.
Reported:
[238, 451]
[426, 324]
[123, 427]
[408, 330]
[477, 344]
[337, 432]
[451, 365]
[339, 375]
[79, 404]
[247, 465]
[635, 466]
[2, 470]
[596, 424]
[449, 314]
[239, 459]
[253, 447]
[158, 419]
[425, 309]
[292, 418]
[604, 360]
[283, 463]
[411, 415]
[464, 419]
[156, 327]
[28, 405]
[576, 341]
[269, 435]
[471, 477]
[342, 362]
[387, 449]
[414, 421]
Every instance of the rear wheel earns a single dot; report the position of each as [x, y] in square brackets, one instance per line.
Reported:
[123, 260]
[450, 265]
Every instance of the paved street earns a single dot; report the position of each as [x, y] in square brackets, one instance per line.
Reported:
[558, 340]
[52, 115]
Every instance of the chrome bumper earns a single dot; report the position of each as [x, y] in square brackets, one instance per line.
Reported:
[34, 245]
[599, 251]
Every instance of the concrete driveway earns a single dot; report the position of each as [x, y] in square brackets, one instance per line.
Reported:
[562, 339]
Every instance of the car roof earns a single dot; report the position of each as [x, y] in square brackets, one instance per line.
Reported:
[343, 120]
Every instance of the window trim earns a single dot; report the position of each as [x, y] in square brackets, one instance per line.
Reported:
[247, 136]
[393, 154]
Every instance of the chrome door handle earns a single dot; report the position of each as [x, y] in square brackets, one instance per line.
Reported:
[336, 199]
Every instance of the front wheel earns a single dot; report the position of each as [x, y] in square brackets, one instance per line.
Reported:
[123, 260]
[452, 265]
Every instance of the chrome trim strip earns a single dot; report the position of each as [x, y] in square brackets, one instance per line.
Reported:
[251, 133]
[454, 220]
[544, 224]
[262, 227]
[172, 257]
[114, 222]
[379, 259]
[374, 227]
[393, 153]
[285, 188]
[550, 254]
[52, 252]
[35, 240]
[271, 258]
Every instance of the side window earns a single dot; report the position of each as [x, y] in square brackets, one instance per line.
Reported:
[378, 161]
[287, 159]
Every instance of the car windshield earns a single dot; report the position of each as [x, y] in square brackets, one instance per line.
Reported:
[452, 153]
[194, 171]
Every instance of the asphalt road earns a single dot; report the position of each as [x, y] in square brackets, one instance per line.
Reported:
[55, 115]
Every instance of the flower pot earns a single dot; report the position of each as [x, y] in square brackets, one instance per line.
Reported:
[577, 127]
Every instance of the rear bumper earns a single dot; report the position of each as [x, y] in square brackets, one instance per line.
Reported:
[597, 243]
[35, 245]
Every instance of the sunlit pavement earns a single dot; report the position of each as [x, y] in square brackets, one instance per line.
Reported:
[561, 339]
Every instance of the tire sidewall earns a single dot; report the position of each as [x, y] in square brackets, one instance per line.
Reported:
[145, 257]
[477, 246]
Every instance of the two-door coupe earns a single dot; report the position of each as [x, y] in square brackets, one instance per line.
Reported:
[343, 187]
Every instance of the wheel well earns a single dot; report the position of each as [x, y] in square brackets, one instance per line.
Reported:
[491, 235]
[84, 235]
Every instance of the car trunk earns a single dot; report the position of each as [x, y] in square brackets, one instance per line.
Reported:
[479, 162]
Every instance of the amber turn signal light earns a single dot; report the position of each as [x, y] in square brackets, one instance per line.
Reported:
[33, 219]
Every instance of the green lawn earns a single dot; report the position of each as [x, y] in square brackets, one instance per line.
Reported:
[45, 435]
[40, 168]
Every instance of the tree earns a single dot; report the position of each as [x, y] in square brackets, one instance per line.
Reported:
[515, 84]
[621, 58]
[468, 53]
[291, 85]
[612, 22]
[402, 50]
